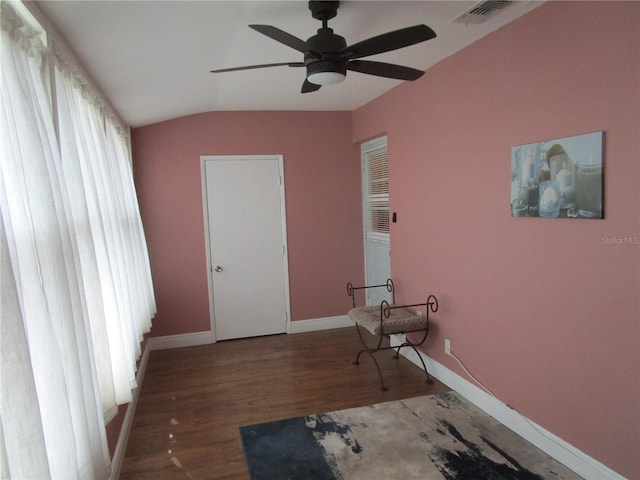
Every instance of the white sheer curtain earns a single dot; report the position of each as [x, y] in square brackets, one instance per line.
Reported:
[76, 293]
[112, 249]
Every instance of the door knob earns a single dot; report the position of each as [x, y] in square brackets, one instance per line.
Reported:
[218, 268]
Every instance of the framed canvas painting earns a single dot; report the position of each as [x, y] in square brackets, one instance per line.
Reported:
[559, 178]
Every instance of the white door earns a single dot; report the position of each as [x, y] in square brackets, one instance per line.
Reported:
[375, 174]
[248, 273]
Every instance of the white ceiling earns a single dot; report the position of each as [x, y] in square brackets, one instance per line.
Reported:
[151, 59]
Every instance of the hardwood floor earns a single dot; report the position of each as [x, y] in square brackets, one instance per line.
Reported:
[193, 400]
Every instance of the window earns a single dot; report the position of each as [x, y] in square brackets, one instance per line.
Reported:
[376, 190]
[76, 284]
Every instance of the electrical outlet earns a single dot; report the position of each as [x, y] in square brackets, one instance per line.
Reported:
[447, 346]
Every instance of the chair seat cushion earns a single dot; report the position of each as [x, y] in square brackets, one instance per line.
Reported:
[399, 321]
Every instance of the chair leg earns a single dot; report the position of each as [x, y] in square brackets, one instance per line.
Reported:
[397, 350]
[357, 360]
[424, 367]
[383, 387]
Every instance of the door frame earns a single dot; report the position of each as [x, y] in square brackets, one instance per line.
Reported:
[283, 214]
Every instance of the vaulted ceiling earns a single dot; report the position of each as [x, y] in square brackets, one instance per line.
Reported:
[151, 59]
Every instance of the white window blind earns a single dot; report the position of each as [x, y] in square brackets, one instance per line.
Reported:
[376, 169]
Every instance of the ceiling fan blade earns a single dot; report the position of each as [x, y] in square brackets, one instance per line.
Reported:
[308, 87]
[282, 37]
[389, 41]
[381, 69]
[265, 65]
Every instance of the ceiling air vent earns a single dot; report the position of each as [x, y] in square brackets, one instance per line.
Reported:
[482, 11]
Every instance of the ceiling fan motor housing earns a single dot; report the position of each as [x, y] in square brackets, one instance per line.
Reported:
[325, 41]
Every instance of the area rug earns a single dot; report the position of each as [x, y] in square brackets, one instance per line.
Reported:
[428, 437]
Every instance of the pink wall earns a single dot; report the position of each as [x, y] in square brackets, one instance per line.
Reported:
[323, 202]
[545, 313]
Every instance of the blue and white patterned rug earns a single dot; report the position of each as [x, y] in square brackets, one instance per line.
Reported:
[429, 437]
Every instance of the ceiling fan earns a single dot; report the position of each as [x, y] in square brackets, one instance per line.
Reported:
[327, 56]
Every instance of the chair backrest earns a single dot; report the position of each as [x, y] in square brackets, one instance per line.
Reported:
[351, 290]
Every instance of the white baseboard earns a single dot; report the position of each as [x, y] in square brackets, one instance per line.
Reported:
[182, 340]
[123, 437]
[326, 323]
[153, 343]
[560, 450]
[555, 447]
[205, 338]
[208, 337]
[191, 340]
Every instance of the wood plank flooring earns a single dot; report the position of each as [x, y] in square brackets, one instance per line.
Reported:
[193, 400]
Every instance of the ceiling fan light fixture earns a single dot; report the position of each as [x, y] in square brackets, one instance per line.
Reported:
[326, 78]
[326, 72]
